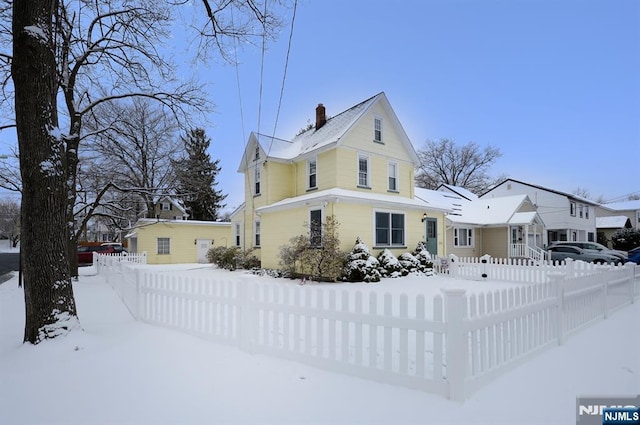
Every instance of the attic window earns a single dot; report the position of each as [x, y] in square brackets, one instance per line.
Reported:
[377, 129]
[257, 157]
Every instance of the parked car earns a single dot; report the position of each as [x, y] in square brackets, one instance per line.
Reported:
[117, 246]
[562, 252]
[85, 252]
[634, 255]
[593, 246]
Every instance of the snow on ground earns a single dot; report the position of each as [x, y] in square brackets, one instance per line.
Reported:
[5, 246]
[119, 371]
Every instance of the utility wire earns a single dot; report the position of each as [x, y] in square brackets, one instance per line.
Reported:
[264, 41]
[284, 76]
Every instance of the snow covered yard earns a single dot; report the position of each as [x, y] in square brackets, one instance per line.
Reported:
[122, 371]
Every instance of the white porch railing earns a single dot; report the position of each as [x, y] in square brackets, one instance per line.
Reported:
[520, 250]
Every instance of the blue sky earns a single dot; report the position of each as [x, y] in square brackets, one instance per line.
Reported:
[555, 85]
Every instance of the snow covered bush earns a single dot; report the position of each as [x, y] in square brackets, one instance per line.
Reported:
[409, 263]
[389, 265]
[424, 258]
[360, 265]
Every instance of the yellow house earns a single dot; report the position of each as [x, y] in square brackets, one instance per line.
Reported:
[357, 166]
[177, 241]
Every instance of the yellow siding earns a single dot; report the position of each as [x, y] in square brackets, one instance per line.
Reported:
[475, 251]
[354, 220]
[182, 236]
[278, 181]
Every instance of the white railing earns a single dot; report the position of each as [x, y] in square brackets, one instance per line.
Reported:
[520, 250]
[107, 260]
[449, 345]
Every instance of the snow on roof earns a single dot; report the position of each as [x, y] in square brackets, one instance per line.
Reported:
[613, 222]
[623, 205]
[353, 196]
[331, 132]
[494, 211]
[454, 203]
[465, 193]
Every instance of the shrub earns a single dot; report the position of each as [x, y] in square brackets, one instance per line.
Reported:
[389, 265]
[360, 265]
[320, 260]
[231, 258]
[626, 239]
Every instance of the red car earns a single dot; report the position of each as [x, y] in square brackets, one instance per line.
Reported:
[85, 252]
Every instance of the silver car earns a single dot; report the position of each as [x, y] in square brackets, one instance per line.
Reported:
[593, 246]
[562, 252]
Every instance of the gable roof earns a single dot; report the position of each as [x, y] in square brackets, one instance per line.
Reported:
[458, 190]
[613, 222]
[557, 192]
[622, 205]
[496, 212]
[330, 134]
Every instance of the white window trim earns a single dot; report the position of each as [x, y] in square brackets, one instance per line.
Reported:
[395, 176]
[322, 218]
[572, 208]
[471, 237]
[257, 231]
[237, 232]
[368, 182]
[380, 120]
[309, 161]
[257, 180]
[158, 247]
[404, 229]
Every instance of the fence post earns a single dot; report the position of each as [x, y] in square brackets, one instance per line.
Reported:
[453, 265]
[570, 266]
[557, 279]
[456, 342]
[485, 260]
[632, 280]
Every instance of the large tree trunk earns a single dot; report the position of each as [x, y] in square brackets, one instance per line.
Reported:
[50, 305]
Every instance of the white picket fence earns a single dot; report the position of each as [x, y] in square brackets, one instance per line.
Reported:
[449, 345]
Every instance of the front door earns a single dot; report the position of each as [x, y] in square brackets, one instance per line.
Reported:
[432, 236]
[203, 247]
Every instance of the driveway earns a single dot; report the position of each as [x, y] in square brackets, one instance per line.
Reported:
[9, 262]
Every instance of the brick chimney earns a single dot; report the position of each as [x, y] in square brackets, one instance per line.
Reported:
[321, 117]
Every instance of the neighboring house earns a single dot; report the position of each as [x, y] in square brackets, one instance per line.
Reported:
[629, 209]
[170, 208]
[505, 227]
[357, 166]
[177, 241]
[607, 226]
[457, 190]
[567, 217]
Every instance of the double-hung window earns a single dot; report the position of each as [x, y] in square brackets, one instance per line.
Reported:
[363, 171]
[312, 180]
[257, 179]
[163, 246]
[572, 208]
[237, 234]
[389, 229]
[315, 228]
[392, 172]
[463, 237]
[377, 129]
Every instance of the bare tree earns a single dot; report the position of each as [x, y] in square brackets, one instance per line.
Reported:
[10, 221]
[467, 166]
[90, 53]
[584, 193]
[134, 150]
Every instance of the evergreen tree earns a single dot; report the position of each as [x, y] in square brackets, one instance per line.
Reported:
[196, 175]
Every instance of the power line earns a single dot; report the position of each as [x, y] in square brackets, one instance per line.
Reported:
[264, 41]
[284, 76]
